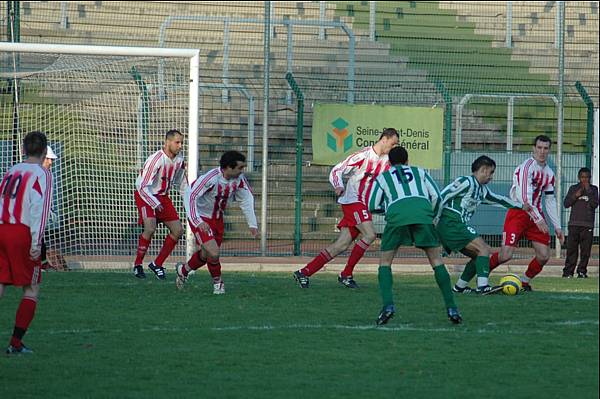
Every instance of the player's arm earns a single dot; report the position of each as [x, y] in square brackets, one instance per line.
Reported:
[377, 197]
[40, 202]
[342, 169]
[552, 205]
[492, 198]
[149, 172]
[246, 200]
[180, 178]
[434, 194]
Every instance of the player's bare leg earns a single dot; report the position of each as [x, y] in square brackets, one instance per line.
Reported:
[367, 236]
[149, 225]
[442, 278]
[340, 245]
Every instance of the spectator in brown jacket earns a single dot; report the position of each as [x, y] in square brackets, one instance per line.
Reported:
[582, 198]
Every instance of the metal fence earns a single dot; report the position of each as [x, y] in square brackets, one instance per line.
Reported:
[504, 71]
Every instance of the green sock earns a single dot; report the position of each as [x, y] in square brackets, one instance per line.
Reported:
[385, 284]
[469, 272]
[442, 278]
[482, 263]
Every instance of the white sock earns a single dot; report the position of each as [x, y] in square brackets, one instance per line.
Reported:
[461, 283]
[482, 281]
[525, 279]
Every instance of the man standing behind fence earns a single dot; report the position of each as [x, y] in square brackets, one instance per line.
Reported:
[582, 198]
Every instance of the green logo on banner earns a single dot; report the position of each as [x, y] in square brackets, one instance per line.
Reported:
[341, 139]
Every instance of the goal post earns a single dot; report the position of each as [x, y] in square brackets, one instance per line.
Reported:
[100, 109]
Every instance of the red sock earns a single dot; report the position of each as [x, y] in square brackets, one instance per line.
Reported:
[357, 253]
[214, 268]
[165, 251]
[534, 268]
[142, 248]
[494, 261]
[195, 262]
[317, 263]
[25, 314]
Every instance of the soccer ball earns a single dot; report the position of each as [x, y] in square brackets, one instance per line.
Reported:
[511, 284]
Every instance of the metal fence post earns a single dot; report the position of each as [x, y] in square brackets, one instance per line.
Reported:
[372, 11]
[561, 96]
[299, 151]
[589, 144]
[509, 14]
[447, 130]
[510, 124]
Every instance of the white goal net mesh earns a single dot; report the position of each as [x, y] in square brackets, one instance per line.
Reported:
[103, 117]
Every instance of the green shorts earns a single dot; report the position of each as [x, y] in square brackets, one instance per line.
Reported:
[418, 235]
[454, 234]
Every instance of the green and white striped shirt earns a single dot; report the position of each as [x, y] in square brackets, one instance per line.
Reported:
[407, 195]
[465, 194]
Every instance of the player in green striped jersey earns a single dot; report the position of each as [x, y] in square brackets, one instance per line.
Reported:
[460, 199]
[410, 198]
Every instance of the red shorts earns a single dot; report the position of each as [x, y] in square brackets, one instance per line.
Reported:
[217, 228]
[145, 211]
[354, 214]
[16, 266]
[517, 224]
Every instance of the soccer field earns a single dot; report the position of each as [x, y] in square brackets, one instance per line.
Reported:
[108, 335]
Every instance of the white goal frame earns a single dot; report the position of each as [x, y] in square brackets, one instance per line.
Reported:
[194, 83]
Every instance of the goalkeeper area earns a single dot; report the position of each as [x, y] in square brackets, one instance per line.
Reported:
[103, 334]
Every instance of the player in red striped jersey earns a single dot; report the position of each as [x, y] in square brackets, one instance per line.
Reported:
[161, 170]
[205, 202]
[361, 169]
[25, 198]
[532, 179]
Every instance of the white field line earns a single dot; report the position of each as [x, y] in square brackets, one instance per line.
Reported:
[493, 328]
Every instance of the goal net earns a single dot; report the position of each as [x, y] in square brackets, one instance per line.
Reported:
[103, 116]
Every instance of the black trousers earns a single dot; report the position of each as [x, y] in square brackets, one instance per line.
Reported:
[579, 242]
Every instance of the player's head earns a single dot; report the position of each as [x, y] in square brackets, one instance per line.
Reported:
[388, 140]
[541, 148]
[232, 164]
[483, 169]
[50, 157]
[173, 142]
[35, 144]
[398, 156]
[584, 175]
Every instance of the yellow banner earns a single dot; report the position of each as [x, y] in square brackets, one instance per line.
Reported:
[341, 129]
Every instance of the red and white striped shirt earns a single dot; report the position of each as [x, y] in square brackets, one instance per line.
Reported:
[362, 168]
[25, 198]
[530, 181]
[209, 195]
[158, 175]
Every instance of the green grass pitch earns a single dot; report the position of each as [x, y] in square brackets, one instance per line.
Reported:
[107, 335]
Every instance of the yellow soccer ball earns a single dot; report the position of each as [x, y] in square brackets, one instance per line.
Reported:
[511, 284]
